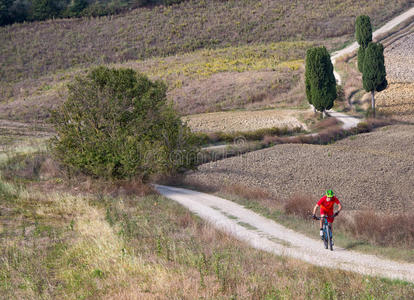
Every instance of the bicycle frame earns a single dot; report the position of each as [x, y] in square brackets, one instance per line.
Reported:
[327, 232]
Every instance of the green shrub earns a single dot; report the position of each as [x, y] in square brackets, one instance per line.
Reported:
[116, 123]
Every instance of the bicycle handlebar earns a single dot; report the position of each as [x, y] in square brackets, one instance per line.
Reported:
[325, 217]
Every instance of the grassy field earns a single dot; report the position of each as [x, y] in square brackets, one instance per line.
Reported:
[230, 57]
[253, 76]
[142, 33]
[82, 238]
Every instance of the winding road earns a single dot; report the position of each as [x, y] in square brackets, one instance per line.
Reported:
[267, 235]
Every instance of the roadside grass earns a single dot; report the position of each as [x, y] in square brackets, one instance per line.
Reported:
[242, 136]
[83, 238]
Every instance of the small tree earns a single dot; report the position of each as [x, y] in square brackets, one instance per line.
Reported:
[374, 74]
[363, 34]
[319, 79]
[118, 124]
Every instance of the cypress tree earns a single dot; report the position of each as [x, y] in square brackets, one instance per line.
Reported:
[309, 70]
[374, 74]
[363, 34]
[319, 79]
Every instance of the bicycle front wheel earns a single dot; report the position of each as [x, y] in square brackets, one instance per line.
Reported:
[330, 238]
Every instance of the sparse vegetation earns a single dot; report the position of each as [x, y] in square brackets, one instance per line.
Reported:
[161, 31]
[125, 241]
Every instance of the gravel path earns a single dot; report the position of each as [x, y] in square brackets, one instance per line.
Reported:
[264, 234]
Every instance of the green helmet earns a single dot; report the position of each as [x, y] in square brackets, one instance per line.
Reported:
[329, 193]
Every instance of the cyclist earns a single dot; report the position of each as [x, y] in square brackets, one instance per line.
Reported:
[326, 203]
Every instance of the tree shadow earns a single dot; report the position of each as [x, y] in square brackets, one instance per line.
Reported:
[354, 244]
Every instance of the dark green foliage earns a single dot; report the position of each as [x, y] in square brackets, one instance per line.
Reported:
[374, 74]
[44, 9]
[76, 7]
[363, 30]
[4, 11]
[117, 123]
[319, 79]
[12, 11]
[170, 2]
[361, 54]
[363, 34]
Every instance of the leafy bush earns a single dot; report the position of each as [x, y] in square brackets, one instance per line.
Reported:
[116, 123]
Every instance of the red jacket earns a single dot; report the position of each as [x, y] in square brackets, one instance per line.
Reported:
[328, 206]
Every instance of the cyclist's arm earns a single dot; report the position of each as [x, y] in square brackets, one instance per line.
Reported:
[314, 209]
[339, 207]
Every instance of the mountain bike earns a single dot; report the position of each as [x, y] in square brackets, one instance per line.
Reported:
[327, 232]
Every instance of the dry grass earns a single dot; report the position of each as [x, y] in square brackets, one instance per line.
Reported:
[351, 80]
[300, 205]
[383, 229]
[326, 123]
[329, 133]
[248, 192]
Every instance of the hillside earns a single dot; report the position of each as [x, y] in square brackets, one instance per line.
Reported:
[255, 76]
[31, 50]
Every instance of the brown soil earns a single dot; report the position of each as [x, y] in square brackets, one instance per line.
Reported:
[397, 100]
[244, 120]
[399, 60]
[369, 171]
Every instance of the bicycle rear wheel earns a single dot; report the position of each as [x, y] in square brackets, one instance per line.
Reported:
[330, 238]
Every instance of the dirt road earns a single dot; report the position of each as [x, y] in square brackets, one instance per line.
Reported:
[264, 234]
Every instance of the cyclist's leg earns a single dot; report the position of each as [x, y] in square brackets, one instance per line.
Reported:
[321, 226]
[321, 222]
